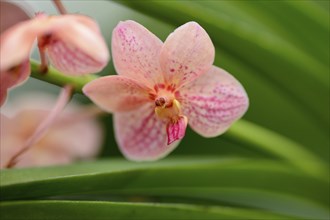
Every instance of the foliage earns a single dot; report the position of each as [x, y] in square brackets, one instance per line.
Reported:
[273, 164]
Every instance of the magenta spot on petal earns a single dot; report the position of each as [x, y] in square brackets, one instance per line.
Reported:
[172, 70]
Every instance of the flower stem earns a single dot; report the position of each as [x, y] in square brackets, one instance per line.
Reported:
[60, 7]
[55, 77]
[44, 62]
[63, 99]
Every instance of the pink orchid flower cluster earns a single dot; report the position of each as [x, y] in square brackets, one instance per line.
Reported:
[35, 136]
[160, 87]
[57, 37]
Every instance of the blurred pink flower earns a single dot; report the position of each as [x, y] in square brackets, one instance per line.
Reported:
[11, 14]
[73, 43]
[162, 85]
[74, 135]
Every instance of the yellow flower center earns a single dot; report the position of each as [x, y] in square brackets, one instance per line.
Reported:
[167, 106]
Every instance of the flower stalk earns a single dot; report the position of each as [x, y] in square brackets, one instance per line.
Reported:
[58, 78]
[60, 7]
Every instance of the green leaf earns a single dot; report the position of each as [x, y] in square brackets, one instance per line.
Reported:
[211, 179]
[112, 210]
[258, 137]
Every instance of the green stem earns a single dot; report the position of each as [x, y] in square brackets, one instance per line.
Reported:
[55, 77]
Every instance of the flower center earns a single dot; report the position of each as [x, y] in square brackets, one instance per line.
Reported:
[167, 107]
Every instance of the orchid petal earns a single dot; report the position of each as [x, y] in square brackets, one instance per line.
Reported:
[13, 77]
[213, 102]
[116, 93]
[76, 46]
[59, 145]
[141, 136]
[11, 13]
[17, 41]
[176, 131]
[135, 52]
[64, 132]
[187, 53]
[12, 136]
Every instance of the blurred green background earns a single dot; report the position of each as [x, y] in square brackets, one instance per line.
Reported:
[279, 51]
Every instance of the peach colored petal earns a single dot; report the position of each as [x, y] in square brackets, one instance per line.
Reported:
[77, 134]
[43, 153]
[12, 136]
[135, 52]
[85, 20]
[116, 93]
[186, 54]
[13, 77]
[76, 45]
[70, 137]
[213, 102]
[17, 41]
[141, 136]
[68, 39]
[38, 156]
[11, 13]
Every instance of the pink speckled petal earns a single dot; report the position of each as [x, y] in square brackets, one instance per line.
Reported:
[13, 77]
[176, 131]
[187, 53]
[141, 136]
[76, 45]
[135, 52]
[213, 102]
[116, 93]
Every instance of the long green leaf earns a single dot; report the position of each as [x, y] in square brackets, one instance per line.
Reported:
[285, 148]
[111, 210]
[208, 178]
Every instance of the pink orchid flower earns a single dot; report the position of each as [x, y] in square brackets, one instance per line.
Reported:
[161, 86]
[73, 43]
[74, 135]
[11, 14]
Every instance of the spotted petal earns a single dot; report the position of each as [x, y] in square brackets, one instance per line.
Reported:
[76, 45]
[141, 135]
[116, 93]
[213, 102]
[186, 54]
[135, 52]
